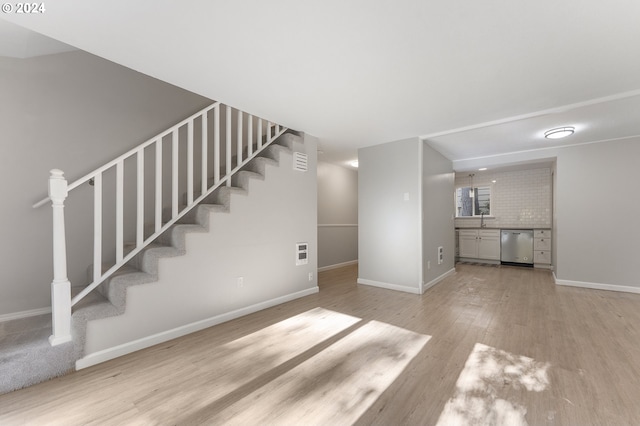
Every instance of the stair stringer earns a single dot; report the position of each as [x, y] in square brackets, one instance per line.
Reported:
[199, 287]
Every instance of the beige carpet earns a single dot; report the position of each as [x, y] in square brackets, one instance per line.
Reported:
[26, 357]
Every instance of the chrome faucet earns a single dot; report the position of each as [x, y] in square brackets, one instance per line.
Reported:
[482, 224]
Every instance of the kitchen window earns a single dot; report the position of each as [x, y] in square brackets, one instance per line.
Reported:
[474, 203]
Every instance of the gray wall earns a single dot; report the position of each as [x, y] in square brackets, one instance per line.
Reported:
[72, 111]
[389, 236]
[597, 233]
[337, 215]
[437, 213]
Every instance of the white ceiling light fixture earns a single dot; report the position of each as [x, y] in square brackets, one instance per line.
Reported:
[482, 169]
[559, 132]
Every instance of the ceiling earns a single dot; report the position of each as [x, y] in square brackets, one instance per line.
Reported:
[473, 79]
[19, 42]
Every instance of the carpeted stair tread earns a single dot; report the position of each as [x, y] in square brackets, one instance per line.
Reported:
[115, 289]
[223, 195]
[27, 358]
[199, 216]
[243, 178]
[273, 152]
[288, 140]
[147, 259]
[175, 236]
[259, 164]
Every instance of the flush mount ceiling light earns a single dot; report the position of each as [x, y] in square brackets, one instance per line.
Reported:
[559, 132]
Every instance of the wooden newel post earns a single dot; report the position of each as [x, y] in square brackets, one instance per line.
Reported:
[60, 287]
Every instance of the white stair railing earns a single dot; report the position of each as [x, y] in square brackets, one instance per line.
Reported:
[210, 151]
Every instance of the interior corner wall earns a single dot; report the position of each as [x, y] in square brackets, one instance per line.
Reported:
[389, 215]
[337, 215]
[437, 214]
[73, 111]
[596, 232]
[310, 188]
[554, 215]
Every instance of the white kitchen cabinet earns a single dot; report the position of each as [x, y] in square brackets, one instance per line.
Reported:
[542, 248]
[542, 258]
[489, 244]
[483, 244]
[542, 233]
[468, 243]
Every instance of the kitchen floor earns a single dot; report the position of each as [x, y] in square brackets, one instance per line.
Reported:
[485, 346]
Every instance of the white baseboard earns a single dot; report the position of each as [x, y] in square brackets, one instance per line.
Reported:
[337, 265]
[389, 286]
[473, 260]
[435, 281]
[24, 314]
[597, 286]
[145, 342]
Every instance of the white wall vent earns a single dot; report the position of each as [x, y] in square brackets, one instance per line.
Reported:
[300, 161]
[302, 254]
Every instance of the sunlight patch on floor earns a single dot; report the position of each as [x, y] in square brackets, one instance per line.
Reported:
[337, 385]
[308, 329]
[232, 365]
[489, 387]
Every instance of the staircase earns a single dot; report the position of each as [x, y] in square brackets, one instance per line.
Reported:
[146, 295]
[111, 298]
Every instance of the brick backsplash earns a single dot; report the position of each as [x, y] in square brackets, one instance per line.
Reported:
[519, 199]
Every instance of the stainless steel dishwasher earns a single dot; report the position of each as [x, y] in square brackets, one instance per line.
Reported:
[516, 246]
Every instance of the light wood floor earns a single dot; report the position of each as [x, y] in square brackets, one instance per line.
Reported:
[590, 340]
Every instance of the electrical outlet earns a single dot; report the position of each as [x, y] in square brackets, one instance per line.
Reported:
[240, 283]
[310, 276]
[428, 264]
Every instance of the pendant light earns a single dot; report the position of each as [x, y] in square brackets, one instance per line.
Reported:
[471, 191]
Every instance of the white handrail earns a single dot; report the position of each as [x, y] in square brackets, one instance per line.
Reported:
[59, 189]
[128, 154]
